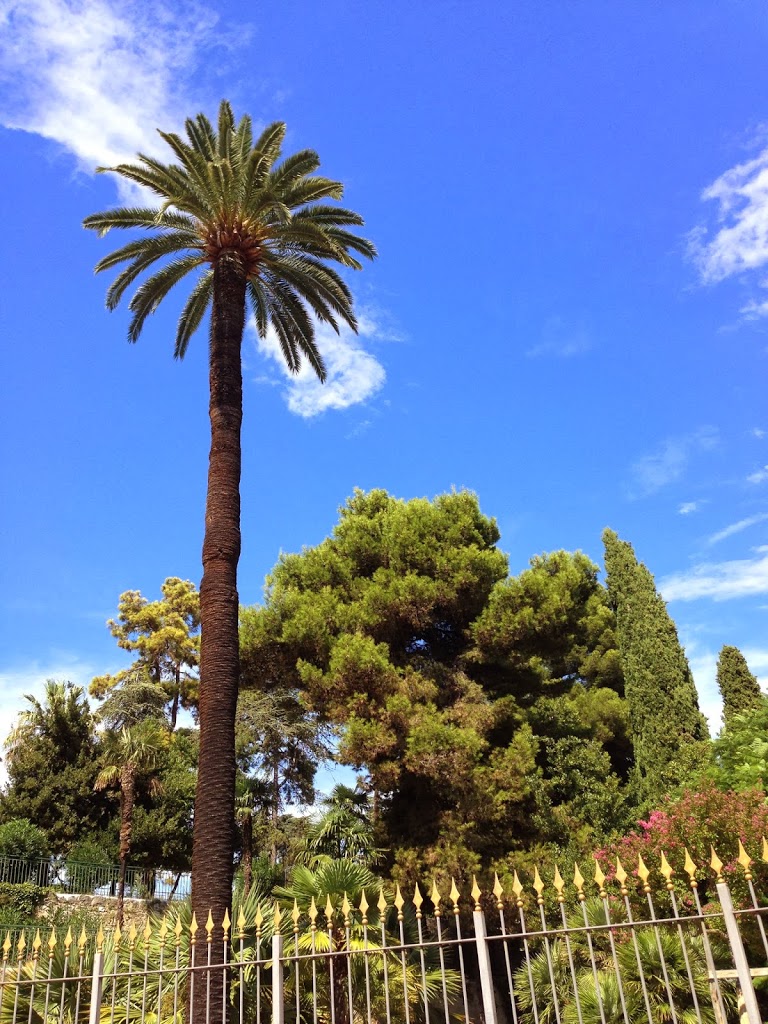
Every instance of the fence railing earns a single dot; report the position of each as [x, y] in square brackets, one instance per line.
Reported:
[600, 952]
[96, 879]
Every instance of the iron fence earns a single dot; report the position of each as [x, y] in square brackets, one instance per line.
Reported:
[620, 951]
[96, 879]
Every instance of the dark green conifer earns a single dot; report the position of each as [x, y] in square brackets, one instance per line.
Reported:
[663, 704]
[738, 687]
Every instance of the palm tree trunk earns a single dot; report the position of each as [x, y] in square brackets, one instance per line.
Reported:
[213, 838]
[127, 801]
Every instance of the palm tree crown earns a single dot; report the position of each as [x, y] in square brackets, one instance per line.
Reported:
[229, 195]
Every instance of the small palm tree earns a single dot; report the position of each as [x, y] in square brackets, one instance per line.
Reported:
[255, 230]
[132, 755]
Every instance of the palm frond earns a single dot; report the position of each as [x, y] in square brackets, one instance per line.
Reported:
[138, 217]
[193, 313]
[152, 292]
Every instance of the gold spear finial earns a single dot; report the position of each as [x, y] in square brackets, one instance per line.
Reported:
[258, 920]
[147, 933]
[600, 879]
[476, 893]
[643, 873]
[498, 891]
[7, 945]
[209, 927]
[454, 896]
[745, 860]
[82, 938]
[51, 942]
[226, 924]
[241, 924]
[690, 868]
[177, 930]
[100, 939]
[364, 907]
[36, 944]
[716, 864]
[313, 912]
[538, 885]
[345, 909]
[667, 872]
[328, 909]
[399, 902]
[578, 881]
[21, 945]
[382, 902]
[559, 885]
[193, 929]
[277, 919]
[117, 935]
[67, 941]
[764, 852]
[435, 897]
[163, 931]
[517, 889]
[295, 915]
[621, 877]
[418, 899]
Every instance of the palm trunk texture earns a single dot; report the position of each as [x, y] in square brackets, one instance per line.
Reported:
[213, 839]
[127, 801]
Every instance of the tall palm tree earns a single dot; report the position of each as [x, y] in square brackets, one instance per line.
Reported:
[256, 229]
[131, 755]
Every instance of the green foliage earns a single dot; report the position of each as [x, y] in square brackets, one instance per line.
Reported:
[453, 687]
[52, 763]
[738, 687]
[740, 752]
[165, 637]
[663, 704]
[20, 838]
[18, 902]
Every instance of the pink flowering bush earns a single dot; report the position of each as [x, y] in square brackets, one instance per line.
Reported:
[697, 820]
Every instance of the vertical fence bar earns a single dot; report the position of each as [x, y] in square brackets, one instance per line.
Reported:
[738, 953]
[278, 995]
[97, 980]
[483, 958]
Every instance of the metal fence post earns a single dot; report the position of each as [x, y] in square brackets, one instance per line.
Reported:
[484, 965]
[97, 984]
[278, 995]
[739, 956]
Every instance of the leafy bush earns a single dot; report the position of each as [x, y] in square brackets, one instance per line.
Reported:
[18, 903]
[20, 838]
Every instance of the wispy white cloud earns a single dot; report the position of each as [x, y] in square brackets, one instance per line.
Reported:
[688, 508]
[741, 239]
[354, 374]
[99, 76]
[562, 339]
[742, 524]
[758, 433]
[652, 472]
[720, 581]
[759, 476]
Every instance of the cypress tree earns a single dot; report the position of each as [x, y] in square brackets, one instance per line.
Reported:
[738, 687]
[664, 714]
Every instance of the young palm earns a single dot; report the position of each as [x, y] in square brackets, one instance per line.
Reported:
[253, 229]
[131, 755]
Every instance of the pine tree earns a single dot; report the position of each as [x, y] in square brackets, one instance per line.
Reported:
[739, 689]
[663, 704]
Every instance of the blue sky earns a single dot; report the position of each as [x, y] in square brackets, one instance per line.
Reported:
[568, 314]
